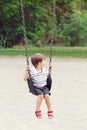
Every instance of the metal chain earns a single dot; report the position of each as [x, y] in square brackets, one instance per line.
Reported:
[52, 35]
[25, 35]
[24, 30]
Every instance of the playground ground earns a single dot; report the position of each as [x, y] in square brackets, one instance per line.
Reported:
[69, 96]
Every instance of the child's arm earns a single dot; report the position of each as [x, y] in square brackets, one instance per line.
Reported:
[26, 73]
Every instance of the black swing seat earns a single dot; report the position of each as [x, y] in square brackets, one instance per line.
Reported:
[31, 87]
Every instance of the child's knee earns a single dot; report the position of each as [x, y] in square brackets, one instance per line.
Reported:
[40, 96]
[46, 96]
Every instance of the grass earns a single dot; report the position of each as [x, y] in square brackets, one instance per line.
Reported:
[77, 52]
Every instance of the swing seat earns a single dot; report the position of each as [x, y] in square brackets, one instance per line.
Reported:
[49, 82]
[32, 89]
[30, 86]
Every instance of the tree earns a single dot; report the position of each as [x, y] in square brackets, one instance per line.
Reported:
[8, 18]
[74, 29]
[38, 18]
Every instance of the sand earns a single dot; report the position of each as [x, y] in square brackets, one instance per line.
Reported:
[69, 96]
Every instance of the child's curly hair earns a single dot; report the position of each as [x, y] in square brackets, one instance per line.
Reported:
[36, 58]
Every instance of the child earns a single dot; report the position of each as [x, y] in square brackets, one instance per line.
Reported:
[39, 78]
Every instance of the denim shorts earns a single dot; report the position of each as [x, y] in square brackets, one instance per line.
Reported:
[42, 90]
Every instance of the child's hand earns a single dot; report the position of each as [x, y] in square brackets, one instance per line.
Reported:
[27, 68]
[50, 66]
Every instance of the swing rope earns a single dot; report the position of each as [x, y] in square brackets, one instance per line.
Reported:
[25, 35]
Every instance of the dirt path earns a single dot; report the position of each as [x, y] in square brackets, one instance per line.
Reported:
[69, 96]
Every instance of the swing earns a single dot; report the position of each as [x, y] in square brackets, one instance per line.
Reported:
[31, 87]
[29, 80]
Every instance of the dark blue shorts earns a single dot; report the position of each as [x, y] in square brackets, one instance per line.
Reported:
[42, 90]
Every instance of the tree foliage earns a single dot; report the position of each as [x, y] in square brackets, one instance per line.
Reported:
[70, 23]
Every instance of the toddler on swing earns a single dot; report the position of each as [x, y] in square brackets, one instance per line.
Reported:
[39, 78]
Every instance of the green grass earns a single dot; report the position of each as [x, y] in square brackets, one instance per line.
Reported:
[77, 52]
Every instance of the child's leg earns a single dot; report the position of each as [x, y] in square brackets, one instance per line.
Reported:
[39, 102]
[48, 102]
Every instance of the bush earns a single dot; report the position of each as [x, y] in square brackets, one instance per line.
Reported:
[74, 28]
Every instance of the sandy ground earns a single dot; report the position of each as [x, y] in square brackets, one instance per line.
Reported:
[69, 96]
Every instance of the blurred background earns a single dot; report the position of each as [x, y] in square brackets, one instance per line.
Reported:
[70, 22]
